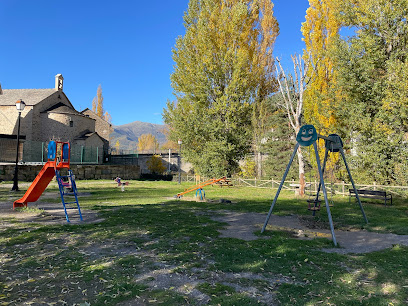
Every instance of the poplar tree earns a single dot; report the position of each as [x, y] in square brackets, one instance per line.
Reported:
[223, 65]
[117, 146]
[321, 31]
[99, 105]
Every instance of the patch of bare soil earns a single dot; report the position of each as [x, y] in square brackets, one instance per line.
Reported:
[45, 213]
[243, 225]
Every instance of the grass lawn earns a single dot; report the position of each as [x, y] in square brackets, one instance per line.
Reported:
[154, 249]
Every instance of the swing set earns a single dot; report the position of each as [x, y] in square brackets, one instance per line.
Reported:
[313, 195]
[306, 137]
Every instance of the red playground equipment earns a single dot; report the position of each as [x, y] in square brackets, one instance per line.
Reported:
[120, 183]
[201, 185]
[58, 158]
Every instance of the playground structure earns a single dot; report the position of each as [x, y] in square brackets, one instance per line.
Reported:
[307, 136]
[121, 184]
[58, 159]
[199, 187]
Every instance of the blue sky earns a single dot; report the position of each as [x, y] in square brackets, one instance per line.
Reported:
[123, 45]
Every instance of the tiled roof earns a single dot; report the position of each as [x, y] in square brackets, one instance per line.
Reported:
[29, 96]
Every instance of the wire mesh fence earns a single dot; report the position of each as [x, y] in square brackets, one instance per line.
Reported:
[32, 152]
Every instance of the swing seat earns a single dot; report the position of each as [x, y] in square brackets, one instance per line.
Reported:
[313, 201]
[317, 208]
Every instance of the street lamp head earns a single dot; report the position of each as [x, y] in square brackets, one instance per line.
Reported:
[179, 142]
[20, 105]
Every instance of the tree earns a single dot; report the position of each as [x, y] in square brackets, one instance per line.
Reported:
[373, 68]
[223, 64]
[261, 124]
[248, 168]
[155, 165]
[107, 117]
[321, 31]
[170, 145]
[147, 142]
[117, 146]
[292, 90]
[99, 106]
[279, 142]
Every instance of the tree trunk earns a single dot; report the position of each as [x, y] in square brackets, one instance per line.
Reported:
[301, 163]
[301, 172]
[259, 165]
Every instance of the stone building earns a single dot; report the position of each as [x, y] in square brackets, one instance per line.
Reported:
[103, 127]
[48, 115]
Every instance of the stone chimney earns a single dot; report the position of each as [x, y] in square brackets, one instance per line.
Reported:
[59, 82]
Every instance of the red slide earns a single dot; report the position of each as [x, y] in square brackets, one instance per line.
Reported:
[38, 185]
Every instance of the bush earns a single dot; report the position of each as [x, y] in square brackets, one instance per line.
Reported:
[155, 165]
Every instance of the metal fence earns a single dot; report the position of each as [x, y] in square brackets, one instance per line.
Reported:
[114, 151]
[124, 159]
[36, 152]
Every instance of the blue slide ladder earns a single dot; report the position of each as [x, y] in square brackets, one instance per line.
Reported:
[67, 187]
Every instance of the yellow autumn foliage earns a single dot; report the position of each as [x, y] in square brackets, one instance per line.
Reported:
[320, 30]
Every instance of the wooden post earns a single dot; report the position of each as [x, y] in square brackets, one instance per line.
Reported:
[342, 188]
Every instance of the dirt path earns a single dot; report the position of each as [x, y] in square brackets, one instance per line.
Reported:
[243, 226]
[46, 213]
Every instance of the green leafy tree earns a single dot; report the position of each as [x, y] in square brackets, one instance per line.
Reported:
[223, 64]
[278, 142]
[373, 68]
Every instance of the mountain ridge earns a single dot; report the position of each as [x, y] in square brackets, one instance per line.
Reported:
[128, 134]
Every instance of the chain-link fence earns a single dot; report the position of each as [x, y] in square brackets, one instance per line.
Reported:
[36, 152]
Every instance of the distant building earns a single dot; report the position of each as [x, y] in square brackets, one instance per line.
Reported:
[103, 127]
[48, 115]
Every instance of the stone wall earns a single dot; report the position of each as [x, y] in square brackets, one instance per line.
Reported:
[9, 120]
[171, 164]
[56, 126]
[28, 173]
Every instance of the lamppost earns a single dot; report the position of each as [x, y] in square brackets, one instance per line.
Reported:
[20, 107]
[179, 161]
